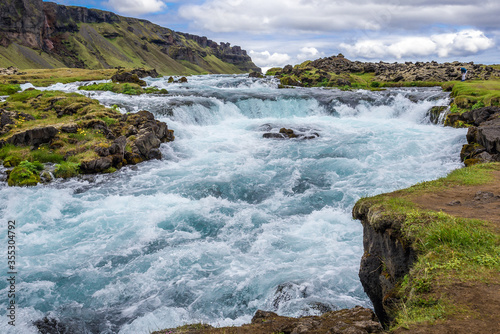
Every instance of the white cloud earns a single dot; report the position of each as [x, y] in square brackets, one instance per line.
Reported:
[288, 16]
[136, 7]
[465, 42]
[308, 53]
[266, 59]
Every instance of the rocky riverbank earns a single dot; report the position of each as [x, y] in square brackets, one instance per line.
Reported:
[338, 71]
[47, 134]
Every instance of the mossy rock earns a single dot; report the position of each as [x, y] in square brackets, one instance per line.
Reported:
[11, 161]
[471, 162]
[66, 170]
[22, 176]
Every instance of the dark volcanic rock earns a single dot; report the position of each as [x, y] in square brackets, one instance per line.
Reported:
[488, 135]
[483, 136]
[122, 77]
[52, 326]
[33, 137]
[435, 113]
[386, 259]
[479, 116]
[288, 134]
[96, 165]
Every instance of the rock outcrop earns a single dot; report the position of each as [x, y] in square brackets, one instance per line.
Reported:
[326, 70]
[357, 320]
[284, 133]
[82, 37]
[483, 136]
[387, 257]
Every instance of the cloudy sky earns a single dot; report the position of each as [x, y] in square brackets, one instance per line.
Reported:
[280, 32]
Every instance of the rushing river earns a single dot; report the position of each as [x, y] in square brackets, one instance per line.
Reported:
[227, 222]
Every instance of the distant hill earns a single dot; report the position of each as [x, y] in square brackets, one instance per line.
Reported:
[37, 34]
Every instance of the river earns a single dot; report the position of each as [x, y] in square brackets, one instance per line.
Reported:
[227, 222]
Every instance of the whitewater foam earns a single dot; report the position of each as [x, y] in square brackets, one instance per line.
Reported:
[228, 222]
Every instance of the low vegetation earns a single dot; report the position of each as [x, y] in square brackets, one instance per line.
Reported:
[47, 77]
[123, 88]
[475, 94]
[449, 248]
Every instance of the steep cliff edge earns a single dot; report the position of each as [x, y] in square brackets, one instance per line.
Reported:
[430, 265]
[36, 34]
[387, 256]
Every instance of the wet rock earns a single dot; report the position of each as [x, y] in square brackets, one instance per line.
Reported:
[273, 135]
[255, 75]
[145, 143]
[454, 203]
[183, 80]
[285, 133]
[96, 165]
[470, 151]
[288, 133]
[435, 113]
[118, 146]
[124, 77]
[488, 135]
[52, 326]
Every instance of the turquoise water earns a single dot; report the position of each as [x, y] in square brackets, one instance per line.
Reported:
[227, 222]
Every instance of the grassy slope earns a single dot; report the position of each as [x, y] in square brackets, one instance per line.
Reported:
[46, 77]
[23, 57]
[130, 49]
[450, 249]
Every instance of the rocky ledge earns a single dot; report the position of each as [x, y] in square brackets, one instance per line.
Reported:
[387, 257]
[336, 70]
[483, 136]
[358, 320]
[77, 134]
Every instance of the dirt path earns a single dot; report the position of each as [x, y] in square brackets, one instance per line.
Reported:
[481, 299]
[479, 202]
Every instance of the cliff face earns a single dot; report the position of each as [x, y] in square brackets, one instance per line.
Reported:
[483, 136]
[36, 34]
[387, 257]
[21, 20]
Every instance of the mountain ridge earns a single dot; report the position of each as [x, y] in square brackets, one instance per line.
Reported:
[37, 34]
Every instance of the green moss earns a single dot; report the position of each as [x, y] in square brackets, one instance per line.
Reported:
[7, 89]
[66, 170]
[12, 161]
[123, 88]
[25, 174]
[110, 170]
[448, 247]
[471, 94]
